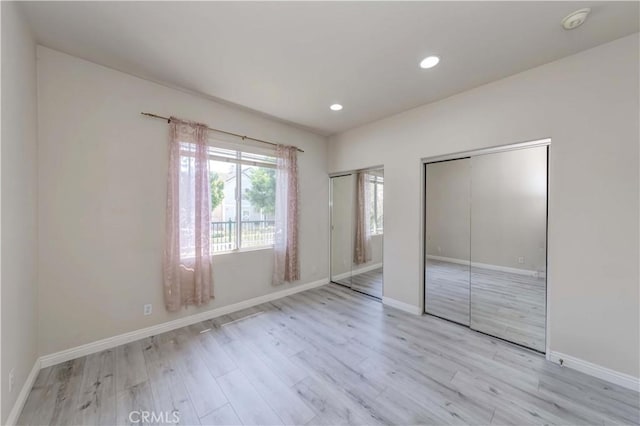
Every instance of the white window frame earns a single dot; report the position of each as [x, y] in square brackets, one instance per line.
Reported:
[239, 162]
[378, 229]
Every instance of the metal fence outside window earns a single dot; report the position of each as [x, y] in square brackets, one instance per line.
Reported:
[253, 233]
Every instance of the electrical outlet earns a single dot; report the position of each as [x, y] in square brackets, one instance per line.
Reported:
[11, 380]
[521, 259]
[147, 309]
[439, 249]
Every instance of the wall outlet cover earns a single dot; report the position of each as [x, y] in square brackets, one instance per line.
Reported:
[148, 308]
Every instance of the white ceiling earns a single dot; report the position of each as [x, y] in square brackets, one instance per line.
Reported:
[291, 60]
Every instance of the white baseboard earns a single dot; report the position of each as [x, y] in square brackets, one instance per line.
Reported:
[367, 268]
[357, 271]
[508, 269]
[412, 309]
[448, 259]
[341, 276]
[24, 393]
[595, 370]
[112, 342]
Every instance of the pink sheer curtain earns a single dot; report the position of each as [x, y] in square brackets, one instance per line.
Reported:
[362, 246]
[187, 257]
[287, 263]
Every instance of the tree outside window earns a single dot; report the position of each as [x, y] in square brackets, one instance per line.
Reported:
[217, 190]
[262, 193]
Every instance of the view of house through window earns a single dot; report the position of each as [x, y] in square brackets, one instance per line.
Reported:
[242, 199]
[376, 191]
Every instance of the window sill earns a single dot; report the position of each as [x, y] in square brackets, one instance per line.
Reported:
[242, 250]
[228, 252]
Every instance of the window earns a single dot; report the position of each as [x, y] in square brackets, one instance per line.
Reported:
[243, 196]
[376, 191]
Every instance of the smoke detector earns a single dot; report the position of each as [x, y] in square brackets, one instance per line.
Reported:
[575, 19]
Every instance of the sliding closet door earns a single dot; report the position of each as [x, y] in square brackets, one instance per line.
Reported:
[508, 245]
[447, 242]
[342, 218]
[368, 235]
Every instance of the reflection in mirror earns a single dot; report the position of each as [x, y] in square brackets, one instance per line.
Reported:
[368, 233]
[447, 242]
[342, 215]
[508, 245]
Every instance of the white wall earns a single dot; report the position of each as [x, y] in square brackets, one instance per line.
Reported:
[103, 171]
[588, 104]
[19, 204]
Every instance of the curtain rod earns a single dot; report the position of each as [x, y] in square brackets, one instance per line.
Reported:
[243, 137]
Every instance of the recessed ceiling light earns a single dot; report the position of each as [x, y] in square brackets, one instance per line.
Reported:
[429, 62]
[335, 107]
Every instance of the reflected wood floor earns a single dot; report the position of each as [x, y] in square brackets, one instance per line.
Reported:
[447, 290]
[326, 356]
[506, 305]
[510, 306]
[369, 282]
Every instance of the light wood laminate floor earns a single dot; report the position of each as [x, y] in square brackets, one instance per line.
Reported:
[326, 356]
[510, 306]
[369, 282]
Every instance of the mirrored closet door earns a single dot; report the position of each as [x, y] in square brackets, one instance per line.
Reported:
[357, 231]
[486, 242]
[448, 245]
[509, 245]
[342, 215]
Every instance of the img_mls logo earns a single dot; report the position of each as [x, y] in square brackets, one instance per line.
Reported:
[154, 417]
